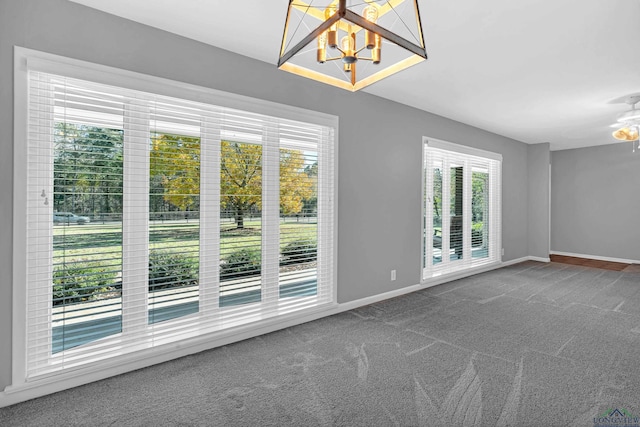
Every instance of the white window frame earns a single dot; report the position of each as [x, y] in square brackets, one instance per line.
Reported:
[25, 59]
[431, 273]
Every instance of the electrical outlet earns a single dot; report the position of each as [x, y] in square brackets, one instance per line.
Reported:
[502, 251]
[393, 275]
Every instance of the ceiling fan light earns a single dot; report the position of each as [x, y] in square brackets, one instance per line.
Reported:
[626, 134]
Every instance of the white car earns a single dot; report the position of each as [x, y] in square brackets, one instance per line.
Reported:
[69, 218]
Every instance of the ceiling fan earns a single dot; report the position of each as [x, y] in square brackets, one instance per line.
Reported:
[629, 122]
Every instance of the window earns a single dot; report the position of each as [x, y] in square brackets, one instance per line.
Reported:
[152, 219]
[461, 208]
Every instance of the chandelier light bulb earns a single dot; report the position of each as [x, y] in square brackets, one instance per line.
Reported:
[370, 13]
[332, 33]
[348, 46]
[322, 48]
[376, 53]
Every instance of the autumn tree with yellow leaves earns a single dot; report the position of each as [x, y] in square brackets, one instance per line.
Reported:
[240, 178]
[296, 185]
[176, 161]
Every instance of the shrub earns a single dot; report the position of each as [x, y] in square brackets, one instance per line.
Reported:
[243, 262]
[81, 280]
[169, 269]
[299, 251]
[476, 234]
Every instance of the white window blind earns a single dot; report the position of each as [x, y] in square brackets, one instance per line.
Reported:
[154, 219]
[462, 208]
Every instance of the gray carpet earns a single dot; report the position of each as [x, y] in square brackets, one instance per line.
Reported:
[531, 344]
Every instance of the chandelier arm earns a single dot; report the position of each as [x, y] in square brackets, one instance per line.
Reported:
[308, 39]
[384, 33]
[359, 50]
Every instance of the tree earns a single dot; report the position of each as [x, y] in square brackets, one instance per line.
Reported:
[437, 194]
[479, 191]
[296, 181]
[176, 160]
[240, 178]
[87, 169]
[310, 204]
[175, 163]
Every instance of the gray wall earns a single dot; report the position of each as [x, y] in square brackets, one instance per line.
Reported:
[379, 160]
[595, 201]
[538, 157]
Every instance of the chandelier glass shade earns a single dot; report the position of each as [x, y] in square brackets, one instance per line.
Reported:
[351, 44]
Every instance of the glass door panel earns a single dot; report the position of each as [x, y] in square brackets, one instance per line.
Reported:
[298, 223]
[174, 226]
[437, 214]
[456, 204]
[480, 213]
[240, 223]
[87, 234]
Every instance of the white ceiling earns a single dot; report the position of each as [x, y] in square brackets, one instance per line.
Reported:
[536, 71]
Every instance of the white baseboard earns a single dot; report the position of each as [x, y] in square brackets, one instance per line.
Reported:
[523, 259]
[598, 257]
[350, 305]
[515, 261]
[426, 284]
[539, 259]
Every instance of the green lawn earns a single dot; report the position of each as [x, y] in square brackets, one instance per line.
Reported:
[102, 242]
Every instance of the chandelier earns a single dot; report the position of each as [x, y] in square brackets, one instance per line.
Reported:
[351, 44]
[629, 122]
